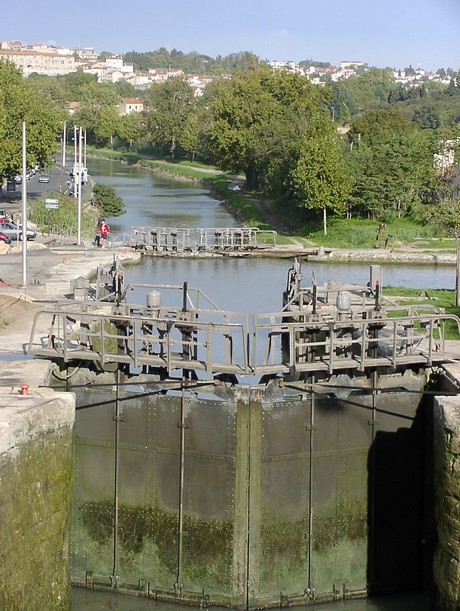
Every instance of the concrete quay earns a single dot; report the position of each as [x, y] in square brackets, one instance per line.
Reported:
[50, 272]
[36, 426]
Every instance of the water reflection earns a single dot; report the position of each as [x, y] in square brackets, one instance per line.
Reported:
[153, 200]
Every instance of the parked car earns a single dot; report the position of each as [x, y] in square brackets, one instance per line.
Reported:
[5, 216]
[4, 238]
[44, 178]
[18, 179]
[15, 231]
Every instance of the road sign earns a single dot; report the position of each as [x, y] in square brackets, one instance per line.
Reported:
[51, 206]
[48, 200]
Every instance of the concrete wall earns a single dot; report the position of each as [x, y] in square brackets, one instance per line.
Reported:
[35, 494]
[447, 500]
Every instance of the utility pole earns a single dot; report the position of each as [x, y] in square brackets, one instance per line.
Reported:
[64, 141]
[78, 181]
[24, 207]
[75, 161]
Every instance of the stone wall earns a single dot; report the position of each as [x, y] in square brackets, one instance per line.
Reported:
[447, 501]
[35, 497]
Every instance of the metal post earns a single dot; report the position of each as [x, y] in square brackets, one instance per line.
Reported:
[74, 160]
[24, 207]
[310, 491]
[116, 478]
[64, 140]
[78, 179]
[180, 525]
[63, 147]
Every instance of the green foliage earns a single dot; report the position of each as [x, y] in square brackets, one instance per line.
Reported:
[320, 180]
[368, 90]
[97, 113]
[170, 104]
[363, 233]
[377, 126]
[258, 118]
[64, 217]
[444, 216]
[392, 165]
[107, 201]
[191, 63]
[19, 104]
[129, 128]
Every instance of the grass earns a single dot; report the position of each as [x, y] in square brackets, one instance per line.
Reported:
[363, 233]
[65, 216]
[440, 298]
[342, 233]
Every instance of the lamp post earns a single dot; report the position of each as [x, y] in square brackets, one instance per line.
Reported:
[75, 161]
[78, 186]
[24, 207]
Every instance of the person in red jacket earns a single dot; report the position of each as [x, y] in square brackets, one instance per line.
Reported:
[103, 232]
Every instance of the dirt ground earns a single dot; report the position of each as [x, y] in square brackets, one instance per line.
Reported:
[15, 313]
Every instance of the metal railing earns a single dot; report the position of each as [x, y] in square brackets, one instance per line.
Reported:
[186, 239]
[216, 341]
[283, 343]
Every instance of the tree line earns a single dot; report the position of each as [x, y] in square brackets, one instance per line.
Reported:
[275, 127]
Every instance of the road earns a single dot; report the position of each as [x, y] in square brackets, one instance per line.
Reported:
[12, 201]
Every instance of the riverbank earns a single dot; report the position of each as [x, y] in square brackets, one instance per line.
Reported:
[346, 238]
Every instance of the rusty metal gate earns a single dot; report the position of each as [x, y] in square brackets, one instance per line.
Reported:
[248, 496]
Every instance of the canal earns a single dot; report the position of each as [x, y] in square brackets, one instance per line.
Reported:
[242, 284]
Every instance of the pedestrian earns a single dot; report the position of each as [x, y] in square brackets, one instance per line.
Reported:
[103, 232]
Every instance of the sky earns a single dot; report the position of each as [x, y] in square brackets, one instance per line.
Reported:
[381, 33]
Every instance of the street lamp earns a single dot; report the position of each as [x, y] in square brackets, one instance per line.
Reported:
[24, 207]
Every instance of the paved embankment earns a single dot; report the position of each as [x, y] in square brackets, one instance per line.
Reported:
[49, 273]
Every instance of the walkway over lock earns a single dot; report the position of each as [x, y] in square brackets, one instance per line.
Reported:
[186, 239]
[322, 329]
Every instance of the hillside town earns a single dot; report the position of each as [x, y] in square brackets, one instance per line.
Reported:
[53, 60]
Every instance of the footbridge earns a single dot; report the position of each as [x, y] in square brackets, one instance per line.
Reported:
[202, 239]
[318, 329]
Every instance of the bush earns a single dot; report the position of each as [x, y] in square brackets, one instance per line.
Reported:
[107, 200]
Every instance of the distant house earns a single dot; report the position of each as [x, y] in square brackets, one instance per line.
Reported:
[348, 64]
[159, 75]
[51, 64]
[72, 107]
[130, 105]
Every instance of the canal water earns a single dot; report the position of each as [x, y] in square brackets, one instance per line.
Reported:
[238, 284]
[249, 284]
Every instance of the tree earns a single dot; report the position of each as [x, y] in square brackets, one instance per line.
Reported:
[170, 105]
[258, 120]
[129, 128]
[97, 113]
[446, 217]
[18, 104]
[190, 139]
[377, 126]
[321, 180]
[392, 168]
[107, 200]
[427, 117]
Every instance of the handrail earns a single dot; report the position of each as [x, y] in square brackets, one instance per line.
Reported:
[214, 340]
